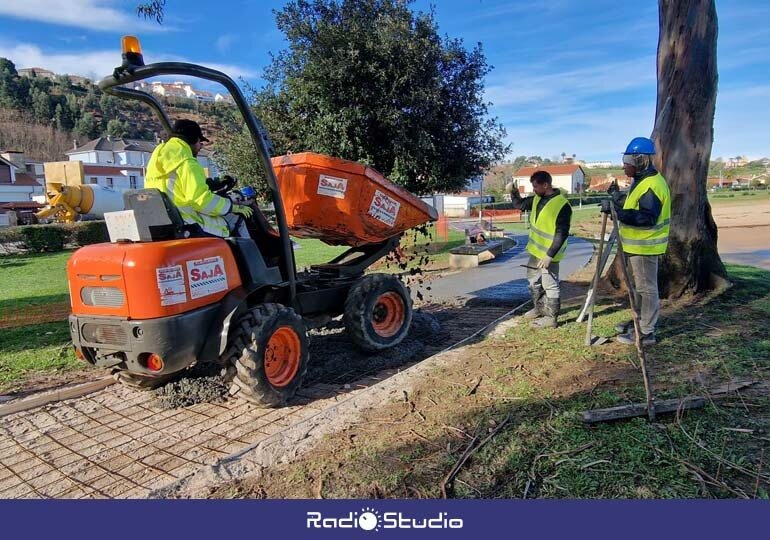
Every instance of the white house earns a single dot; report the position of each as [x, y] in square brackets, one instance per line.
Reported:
[16, 185]
[32, 167]
[121, 163]
[567, 178]
[599, 164]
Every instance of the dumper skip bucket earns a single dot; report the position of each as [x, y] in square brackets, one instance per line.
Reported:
[344, 203]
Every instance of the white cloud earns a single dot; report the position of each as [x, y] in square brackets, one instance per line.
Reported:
[99, 15]
[97, 64]
[740, 124]
[92, 64]
[225, 42]
[572, 85]
[592, 135]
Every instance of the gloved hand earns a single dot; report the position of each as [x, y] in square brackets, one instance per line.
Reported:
[545, 262]
[614, 188]
[515, 195]
[606, 206]
[245, 211]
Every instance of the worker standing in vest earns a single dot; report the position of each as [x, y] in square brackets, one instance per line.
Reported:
[644, 215]
[549, 222]
[174, 170]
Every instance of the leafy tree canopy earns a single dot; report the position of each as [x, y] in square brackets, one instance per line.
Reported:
[372, 81]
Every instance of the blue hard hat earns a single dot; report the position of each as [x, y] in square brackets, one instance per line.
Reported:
[640, 145]
[248, 191]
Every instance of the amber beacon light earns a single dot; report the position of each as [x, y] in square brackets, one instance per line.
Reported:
[132, 51]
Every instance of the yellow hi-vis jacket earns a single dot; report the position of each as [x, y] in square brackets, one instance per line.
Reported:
[174, 171]
[542, 227]
[648, 240]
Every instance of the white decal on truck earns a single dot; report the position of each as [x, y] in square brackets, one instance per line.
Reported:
[207, 276]
[332, 187]
[171, 285]
[384, 208]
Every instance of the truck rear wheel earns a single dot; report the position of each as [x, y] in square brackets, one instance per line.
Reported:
[378, 312]
[269, 350]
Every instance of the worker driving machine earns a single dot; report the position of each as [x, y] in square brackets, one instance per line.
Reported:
[153, 301]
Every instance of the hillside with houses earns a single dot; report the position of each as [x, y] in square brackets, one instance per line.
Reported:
[42, 113]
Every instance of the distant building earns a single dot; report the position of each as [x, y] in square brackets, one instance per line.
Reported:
[36, 72]
[31, 167]
[16, 186]
[567, 178]
[77, 79]
[601, 183]
[598, 164]
[181, 89]
[733, 163]
[121, 163]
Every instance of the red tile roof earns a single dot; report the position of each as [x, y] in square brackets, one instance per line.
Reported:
[21, 205]
[23, 179]
[553, 169]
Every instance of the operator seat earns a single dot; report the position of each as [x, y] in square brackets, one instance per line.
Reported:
[154, 211]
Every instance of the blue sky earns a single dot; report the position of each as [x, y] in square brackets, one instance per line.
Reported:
[574, 76]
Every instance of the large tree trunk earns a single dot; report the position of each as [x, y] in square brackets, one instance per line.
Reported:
[683, 134]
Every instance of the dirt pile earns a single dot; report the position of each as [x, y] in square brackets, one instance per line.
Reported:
[201, 384]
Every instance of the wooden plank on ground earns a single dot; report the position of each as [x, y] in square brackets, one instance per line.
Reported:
[640, 409]
[57, 395]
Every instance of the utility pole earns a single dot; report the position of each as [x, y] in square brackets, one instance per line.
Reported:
[481, 198]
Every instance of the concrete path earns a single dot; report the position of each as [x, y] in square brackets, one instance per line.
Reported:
[118, 442]
[503, 279]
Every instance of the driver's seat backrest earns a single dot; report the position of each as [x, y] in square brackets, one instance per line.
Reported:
[155, 214]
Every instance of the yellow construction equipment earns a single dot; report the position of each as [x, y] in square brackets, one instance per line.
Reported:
[68, 197]
[66, 203]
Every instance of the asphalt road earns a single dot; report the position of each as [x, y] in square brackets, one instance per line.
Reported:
[504, 279]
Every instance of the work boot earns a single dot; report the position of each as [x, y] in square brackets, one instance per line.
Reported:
[551, 316]
[629, 338]
[538, 297]
[622, 328]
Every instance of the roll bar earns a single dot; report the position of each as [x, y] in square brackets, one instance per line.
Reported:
[127, 74]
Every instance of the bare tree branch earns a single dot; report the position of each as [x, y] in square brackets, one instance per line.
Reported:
[152, 10]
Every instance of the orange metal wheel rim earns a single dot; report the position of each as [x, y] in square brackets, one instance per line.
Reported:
[282, 356]
[388, 314]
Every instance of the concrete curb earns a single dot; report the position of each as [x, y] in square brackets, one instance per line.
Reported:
[56, 395]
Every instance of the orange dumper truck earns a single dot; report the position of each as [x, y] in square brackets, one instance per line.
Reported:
[154, 301]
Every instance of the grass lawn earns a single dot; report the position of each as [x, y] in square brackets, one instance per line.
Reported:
[35, 350]
[34, 279]
[738, 197]
[540, 381]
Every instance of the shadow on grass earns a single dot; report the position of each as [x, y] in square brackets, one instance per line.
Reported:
[540, 381]
[26, 338]
[32, 302]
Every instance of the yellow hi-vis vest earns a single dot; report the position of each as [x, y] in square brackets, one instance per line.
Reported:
[174, 171]
[542, 227]
[648, 240]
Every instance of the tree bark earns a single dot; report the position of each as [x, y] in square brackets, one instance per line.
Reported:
[683, 135]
